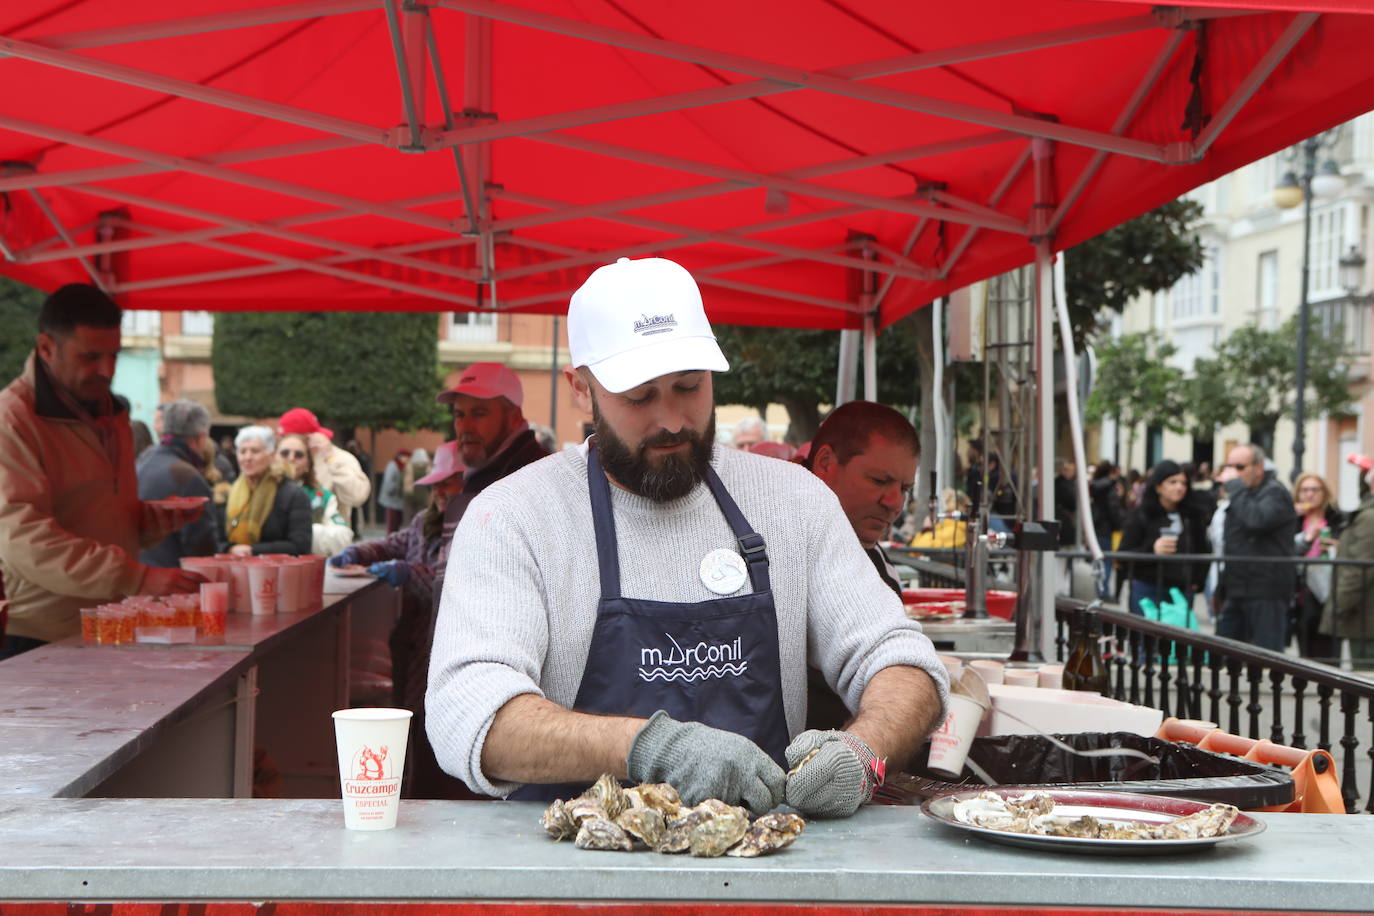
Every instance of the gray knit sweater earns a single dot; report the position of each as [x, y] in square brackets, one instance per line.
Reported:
[521, 590]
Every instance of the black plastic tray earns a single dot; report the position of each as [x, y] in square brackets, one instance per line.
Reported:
[1184, 770]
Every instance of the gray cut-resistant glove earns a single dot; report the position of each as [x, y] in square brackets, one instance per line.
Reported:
[703, 762]
[837, 780]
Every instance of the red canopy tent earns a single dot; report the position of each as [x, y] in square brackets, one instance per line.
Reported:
[455, 154]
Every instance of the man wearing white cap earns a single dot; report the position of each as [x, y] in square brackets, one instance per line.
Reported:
[646, 604]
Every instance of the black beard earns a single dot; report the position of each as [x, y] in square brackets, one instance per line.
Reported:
[672, 477]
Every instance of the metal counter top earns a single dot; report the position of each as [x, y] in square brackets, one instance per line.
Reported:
[70, 717]
[179, 849]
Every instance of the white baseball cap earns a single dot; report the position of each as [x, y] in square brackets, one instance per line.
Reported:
[633, 321]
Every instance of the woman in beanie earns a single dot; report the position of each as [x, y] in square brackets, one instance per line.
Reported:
[1167, 521]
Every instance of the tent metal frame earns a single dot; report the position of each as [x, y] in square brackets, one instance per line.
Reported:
[411, 29]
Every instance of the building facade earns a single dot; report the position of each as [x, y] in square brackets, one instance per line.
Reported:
[1252, 276]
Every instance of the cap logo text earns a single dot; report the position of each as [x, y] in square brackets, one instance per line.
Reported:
[655, 324]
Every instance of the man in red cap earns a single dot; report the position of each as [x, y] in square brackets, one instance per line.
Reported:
[493, 436]
[493, 440]
[336, 470]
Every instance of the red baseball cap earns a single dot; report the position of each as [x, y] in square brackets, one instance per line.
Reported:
[485, 381]
[301, 422]
[446, 464]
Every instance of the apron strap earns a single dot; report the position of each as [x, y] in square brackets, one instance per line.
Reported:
[603, 520]
[751, 545]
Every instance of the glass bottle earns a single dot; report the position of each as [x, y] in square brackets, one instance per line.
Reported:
[1087, 670]
[1077, 648]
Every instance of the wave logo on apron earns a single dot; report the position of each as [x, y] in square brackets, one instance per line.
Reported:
[694, 663]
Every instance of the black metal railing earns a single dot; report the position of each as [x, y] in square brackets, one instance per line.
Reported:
[1241, 687]
[1312, 641]
[1183, 672]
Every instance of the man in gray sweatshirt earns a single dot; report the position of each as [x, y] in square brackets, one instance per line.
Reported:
[645, 604]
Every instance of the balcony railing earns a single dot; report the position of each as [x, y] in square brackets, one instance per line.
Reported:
[1347, 319]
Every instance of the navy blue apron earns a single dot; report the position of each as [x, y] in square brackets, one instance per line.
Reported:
[714, 661]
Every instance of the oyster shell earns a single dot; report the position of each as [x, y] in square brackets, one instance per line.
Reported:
[721, 830]
[660, 796]
[608, 792]
[805, 760]
[599, 833]
[583, 807]
[677, 835]
[644, 824]
[767, 834]
[557, 822]
[1209, 822]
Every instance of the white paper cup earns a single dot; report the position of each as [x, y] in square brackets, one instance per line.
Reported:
[288, 587]
[1052, 676]
[213, 570]
[372, 756]
[262, 586]
[214, 606]
[317, 581]
[305, 583]
[1021, 677]
[952, 665]
[240, 594]
[950, 744]
[989, 669]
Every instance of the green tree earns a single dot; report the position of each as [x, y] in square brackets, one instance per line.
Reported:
[1136, 384]
[797, 368]
[1253, 379]
[1147, 254]
[351, 368]
[19, 305]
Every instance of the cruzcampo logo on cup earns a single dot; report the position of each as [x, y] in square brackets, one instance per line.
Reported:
[372, 753]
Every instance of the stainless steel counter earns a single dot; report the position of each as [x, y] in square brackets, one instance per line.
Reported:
[70, 718]
[185, 720]
[187, 850]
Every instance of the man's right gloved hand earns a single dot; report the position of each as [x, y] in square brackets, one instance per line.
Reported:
[703, 762]
[346, 557]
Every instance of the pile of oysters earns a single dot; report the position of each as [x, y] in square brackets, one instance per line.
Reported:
[614, 818]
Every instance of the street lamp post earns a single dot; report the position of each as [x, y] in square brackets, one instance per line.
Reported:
[1286, 196]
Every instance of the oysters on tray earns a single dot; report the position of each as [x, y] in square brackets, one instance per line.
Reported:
[1033, 813]
[652, 815]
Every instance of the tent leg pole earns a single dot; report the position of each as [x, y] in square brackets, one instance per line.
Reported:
[1036, 625]
[870, 358]
[849, 354]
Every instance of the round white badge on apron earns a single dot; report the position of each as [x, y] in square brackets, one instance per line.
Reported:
[723, 571]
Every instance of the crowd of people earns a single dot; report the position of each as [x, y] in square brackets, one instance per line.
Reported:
[1243, 511]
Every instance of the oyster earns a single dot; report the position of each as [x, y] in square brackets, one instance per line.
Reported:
[583, 807]
[660, 796]
[721, 830]
[768, 833]
[599, 833]
[677, 835]
[644, 824]
[608, 792]
[1209, 822]
[557, 821]
[805, 760]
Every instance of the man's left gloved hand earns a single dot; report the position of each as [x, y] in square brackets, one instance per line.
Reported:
[837, 780]
[392, 572]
